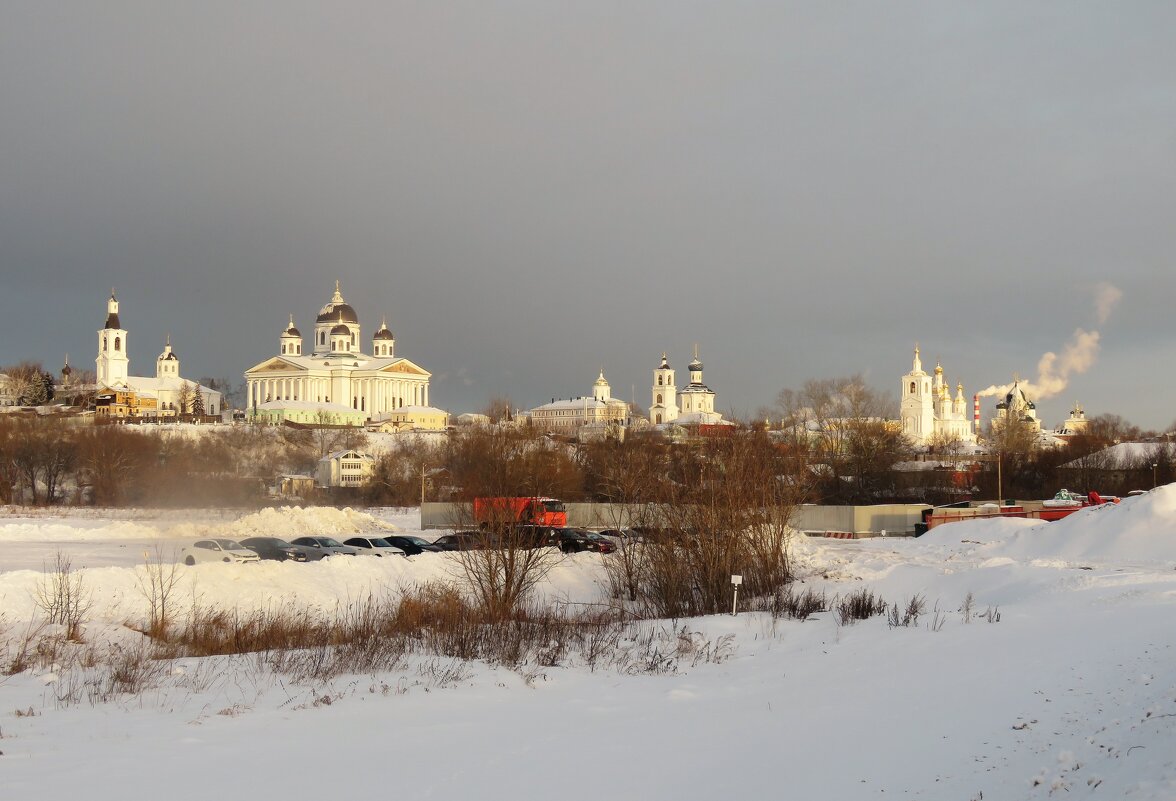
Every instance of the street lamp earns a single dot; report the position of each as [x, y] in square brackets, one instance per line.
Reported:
[1154, 482]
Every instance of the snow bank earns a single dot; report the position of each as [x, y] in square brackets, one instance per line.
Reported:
[1139, 531]
[286, 522]
[75, 529]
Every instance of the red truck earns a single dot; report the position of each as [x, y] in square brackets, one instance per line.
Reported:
[514, 511]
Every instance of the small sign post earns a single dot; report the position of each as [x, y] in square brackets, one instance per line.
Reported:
[736, 580]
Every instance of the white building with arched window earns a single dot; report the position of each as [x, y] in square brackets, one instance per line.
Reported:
[336, 373]
[602, 409]
[694, 404]
[173, 394]
[929, 412]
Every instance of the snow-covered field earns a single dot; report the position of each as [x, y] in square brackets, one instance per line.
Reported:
[1071, 693]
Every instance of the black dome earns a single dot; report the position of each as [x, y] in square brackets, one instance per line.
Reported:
[293, 332]
[340, 312]
[383, 333]
[340, 329]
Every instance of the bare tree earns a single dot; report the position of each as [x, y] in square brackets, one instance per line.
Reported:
[510, 560]
[186, 397]
[847, 429]
[330, 436]
[726, 511]
[30, 383]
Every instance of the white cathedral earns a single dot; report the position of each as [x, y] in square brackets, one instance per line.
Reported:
[928, 410]
[337, 377]
[167, 388]
[694, 404]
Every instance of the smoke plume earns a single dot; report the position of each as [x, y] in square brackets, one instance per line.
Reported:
[1106, 297]
[1054, 371]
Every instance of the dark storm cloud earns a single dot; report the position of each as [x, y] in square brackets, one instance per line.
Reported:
[530, 191]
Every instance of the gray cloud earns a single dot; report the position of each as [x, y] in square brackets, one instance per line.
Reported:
[532, 190]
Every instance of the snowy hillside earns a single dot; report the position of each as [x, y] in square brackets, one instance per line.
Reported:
[1044, 666]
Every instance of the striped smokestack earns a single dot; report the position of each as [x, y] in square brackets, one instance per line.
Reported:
[976, 412]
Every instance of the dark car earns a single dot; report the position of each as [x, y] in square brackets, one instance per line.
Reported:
[374, 546]
[412, 545]
[606, 545]
[463, 541]
[621, 537]
[329, 546]
[574, 540]
[280, 550]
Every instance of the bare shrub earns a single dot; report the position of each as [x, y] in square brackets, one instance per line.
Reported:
[858, 605]
[910, 615]
[505, 573]
[20, 655]
[128, 670]
[63, 597]
[157, 584]
[787, 603]
[968, 608]
[938, 618]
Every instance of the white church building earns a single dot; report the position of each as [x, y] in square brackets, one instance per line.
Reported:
[602, 409]
[928, 410]
[169, 390]
[336, 377]
[694, 404]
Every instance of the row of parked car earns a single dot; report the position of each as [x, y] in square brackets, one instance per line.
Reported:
[312, 549]
[302, 549]
[568, 540]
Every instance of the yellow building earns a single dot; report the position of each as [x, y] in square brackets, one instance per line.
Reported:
[121, 403]
[411, 418]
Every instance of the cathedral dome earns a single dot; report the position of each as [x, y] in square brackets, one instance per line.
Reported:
[337, 309]
[341, 312]
[695, 365]
[383, 334]
[340, 330]
[293, 332]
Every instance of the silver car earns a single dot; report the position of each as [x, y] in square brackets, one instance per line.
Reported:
[217, 550]
[328, 545]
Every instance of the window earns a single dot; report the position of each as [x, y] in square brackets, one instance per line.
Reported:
[912, 387]
[659, 383]
[659, 399]
[117, 343]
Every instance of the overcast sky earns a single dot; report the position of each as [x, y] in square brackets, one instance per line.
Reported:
[531, 191]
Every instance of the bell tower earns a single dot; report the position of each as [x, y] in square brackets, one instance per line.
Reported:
[917, 407]
[664, 407]
[112, 364]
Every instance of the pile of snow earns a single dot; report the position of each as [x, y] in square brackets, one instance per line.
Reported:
[289, 522]
[1140, 530]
